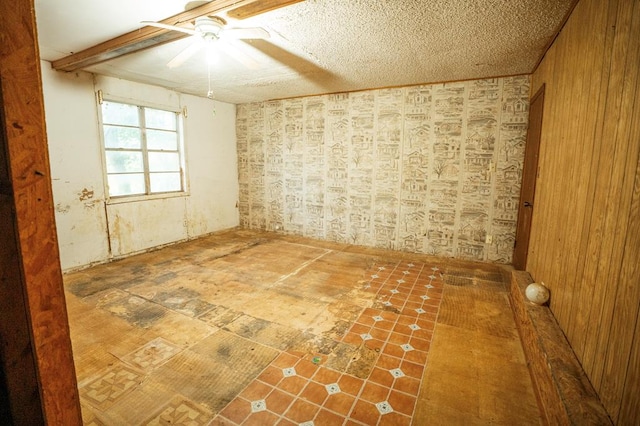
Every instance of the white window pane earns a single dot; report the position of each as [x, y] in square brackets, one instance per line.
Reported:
[142, 152]
[164, 162]
[115, 113]
[162, 139]
[165, 182]
[157, 119]
[121, 137]
[124, 161]
[131, 184]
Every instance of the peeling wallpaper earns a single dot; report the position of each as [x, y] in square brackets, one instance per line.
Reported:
[430, 169]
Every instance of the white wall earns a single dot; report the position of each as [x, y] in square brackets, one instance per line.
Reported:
[76, 166]
[92, 229]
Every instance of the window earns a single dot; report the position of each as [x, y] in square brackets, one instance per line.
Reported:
[142, 150]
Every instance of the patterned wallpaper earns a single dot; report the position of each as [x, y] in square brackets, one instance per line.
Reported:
[430, 169]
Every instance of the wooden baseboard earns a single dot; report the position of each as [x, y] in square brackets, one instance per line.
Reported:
[564, 393]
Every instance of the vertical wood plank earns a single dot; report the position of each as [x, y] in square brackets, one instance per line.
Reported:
[27, 202]
[571, 148]
[582, 157]
[623, 336]
[16, 356]
[597, 232]
[616, 203]
[552, 169]
[629, 413]
[618, 343]
[539, 235]
[584, 237]
[602, 41]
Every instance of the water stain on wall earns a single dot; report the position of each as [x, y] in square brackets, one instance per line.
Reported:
[63, 208]
[85, 194]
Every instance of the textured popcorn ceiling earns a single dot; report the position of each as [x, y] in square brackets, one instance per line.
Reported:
[321, 46]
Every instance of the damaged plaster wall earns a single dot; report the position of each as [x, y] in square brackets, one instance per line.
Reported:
[430, 169]
[93, 229]
[76, 177]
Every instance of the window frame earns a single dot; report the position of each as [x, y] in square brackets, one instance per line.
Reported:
[181, 150]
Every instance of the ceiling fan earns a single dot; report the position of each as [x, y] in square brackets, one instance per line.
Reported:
[147, 37]
[210, 29]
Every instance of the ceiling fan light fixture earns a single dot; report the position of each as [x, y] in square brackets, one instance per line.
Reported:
[209, 27]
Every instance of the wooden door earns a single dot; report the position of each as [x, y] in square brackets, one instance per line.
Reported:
[529, 175]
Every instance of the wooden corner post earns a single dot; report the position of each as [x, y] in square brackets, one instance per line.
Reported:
[37, 380]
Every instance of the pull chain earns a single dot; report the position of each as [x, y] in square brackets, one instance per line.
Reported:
[209, 61]
[209, 92]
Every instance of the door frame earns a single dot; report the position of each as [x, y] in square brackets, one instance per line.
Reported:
[37, 375]
[529, 178]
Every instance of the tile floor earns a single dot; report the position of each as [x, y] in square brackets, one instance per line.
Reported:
[249, 328]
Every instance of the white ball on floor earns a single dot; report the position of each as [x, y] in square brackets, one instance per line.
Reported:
[537, 293]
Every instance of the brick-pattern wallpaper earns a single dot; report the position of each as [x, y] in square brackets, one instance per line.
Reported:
[429, 169]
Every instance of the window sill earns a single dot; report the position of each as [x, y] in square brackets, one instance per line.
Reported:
[139, 198]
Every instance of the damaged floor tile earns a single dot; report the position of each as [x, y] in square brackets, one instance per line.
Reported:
[243, 327]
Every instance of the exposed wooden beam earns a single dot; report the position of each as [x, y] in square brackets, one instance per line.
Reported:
[144, 37]
[149, 36]
[253, 9]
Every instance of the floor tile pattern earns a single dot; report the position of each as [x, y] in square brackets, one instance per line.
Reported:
[298, 388]
[111, 386]
[153, 354]
[181, 412]
[250, 328]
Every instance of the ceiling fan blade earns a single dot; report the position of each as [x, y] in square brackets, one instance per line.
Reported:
[181, 57]
[304, 67]
[237, 53]
[245, 33]
[169, 27]
[258, 7]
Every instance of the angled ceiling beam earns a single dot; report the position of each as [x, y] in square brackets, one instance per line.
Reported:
[253, 9]
[148, 36]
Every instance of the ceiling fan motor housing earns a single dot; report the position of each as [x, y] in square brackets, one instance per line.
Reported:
[209, 27]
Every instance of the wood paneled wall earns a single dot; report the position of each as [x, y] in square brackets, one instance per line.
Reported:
[585, 242]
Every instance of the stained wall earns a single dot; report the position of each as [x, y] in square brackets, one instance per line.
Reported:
[93, 228]
[430, 169]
